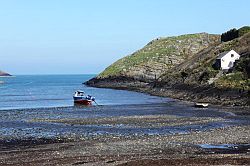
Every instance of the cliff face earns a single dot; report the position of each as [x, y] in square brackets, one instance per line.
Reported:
[181, 67]
[4, 74]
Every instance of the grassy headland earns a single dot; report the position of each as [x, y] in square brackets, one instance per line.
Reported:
[182, 67]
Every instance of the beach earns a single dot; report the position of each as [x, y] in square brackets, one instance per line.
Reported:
[173, 133]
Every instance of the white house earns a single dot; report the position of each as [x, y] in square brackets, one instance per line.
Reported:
[225, 60]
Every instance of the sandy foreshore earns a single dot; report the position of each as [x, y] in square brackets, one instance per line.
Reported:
[151, 134]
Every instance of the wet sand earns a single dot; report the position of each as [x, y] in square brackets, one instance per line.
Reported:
[173, 133]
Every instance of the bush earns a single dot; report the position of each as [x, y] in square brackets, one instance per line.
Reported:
[204, 77]
[184, 75]
[243, 65]
[229, 35]
[234, 80]
[243, 30]
[234, 33]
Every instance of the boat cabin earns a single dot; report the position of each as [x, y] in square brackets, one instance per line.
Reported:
[79, 93]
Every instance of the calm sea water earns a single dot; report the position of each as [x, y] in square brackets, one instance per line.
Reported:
[37, 91]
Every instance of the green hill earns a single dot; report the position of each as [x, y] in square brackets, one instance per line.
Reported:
[159, 55]
[181, 67]
[198, 69]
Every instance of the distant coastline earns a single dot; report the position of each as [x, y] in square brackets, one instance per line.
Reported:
[7, 76]
[4, 74]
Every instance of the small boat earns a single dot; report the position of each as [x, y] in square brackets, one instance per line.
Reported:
[201, 105]
[82, 99]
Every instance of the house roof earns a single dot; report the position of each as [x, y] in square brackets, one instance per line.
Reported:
[221, 55]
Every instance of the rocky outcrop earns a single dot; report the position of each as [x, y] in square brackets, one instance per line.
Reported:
[185, 71]
[4, 74]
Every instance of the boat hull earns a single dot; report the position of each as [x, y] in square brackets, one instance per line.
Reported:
[81, 99]
[83, 102]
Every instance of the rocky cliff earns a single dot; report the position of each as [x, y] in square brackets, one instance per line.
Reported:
[181, 67]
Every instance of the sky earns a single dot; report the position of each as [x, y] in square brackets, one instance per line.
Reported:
[86, 36]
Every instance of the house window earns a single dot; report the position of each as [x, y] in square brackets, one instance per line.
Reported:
[232, 55]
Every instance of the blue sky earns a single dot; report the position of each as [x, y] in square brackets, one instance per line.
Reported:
[85, 36]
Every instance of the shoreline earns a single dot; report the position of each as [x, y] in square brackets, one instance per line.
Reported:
[238, 110]
[183, 92]
[144, 134]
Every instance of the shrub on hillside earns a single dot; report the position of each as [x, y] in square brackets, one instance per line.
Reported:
[234, 33]
[243, 65]
[244, 30]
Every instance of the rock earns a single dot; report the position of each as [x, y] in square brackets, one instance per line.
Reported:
[4, 74]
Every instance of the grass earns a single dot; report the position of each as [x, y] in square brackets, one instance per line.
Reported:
[229, 45]
[234, 80]
[156, 52]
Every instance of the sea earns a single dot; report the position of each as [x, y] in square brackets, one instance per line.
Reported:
[29, 102]
[41, 91]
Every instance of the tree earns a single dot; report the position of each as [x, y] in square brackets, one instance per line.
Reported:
[234, 33]
[230, 35]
